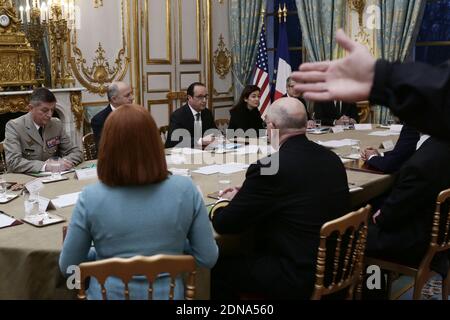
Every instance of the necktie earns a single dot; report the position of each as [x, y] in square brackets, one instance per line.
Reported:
[197, 116]
[41, 132]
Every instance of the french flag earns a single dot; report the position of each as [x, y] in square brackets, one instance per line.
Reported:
[284, 69]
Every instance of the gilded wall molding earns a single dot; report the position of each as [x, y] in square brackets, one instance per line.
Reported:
[229, 91]
[97, 76]
[222, 59]
[77, 108]
[14, 103]
[98, 3]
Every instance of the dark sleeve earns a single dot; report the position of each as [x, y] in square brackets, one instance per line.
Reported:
[322, 113]
[177, 123]
[417, 93]
[236, 120]
[402, 202]
[97, 130]
[403, 150]
[251, 204]
[353, 112]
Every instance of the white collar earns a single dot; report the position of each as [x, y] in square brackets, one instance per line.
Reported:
[36, 125]
[194, 112]
[112, 108]
[423, 138]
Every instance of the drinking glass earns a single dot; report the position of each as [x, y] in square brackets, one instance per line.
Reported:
[54, 166]
[356, 148]
[31, 205]
[2, 187]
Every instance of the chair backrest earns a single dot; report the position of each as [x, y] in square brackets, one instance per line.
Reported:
[89, 147]
[347, 236]
[179, 97]
[222, 124]
[440, 230]
[2, 158]
[163, 132]
[150, 267]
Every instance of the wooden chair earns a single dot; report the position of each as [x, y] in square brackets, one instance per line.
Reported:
[89, 147]
[150, 267]
[222, 125]
[176, 99]
[440, 241]
[347, 235]
[3, 167]
[163, 133]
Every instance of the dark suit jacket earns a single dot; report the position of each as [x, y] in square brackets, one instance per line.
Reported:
[183, 118]
[402, 231]
[97, 123]
[419, 94]
[287, 210]
[243, 118]
[403, 150]
[327, 112]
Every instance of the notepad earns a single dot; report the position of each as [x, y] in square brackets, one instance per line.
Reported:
[8, 221]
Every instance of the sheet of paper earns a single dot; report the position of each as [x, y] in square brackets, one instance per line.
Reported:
[250, 149]
[175, 159]
[6, 221]
[207, 170]
[84, 174]
[66, 200]
[230, 168]
[180, 172]
[363, 126]
[336, 143]
[267, 149]
[384, 133]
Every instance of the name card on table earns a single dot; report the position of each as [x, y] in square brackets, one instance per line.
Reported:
[45, 204]
[388, 145]
[363, 126]
[337, 129]
[34, 186]
[84, 174]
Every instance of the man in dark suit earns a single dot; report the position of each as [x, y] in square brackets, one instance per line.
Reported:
[336, 113]
[391, 161]
[189, 123]
[400, 231]
[119, 93]
[286, 215]
[290, 92]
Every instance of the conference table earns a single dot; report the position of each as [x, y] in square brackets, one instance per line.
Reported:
[29, 255]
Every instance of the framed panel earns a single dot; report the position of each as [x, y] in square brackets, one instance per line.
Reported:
[189, 31]
[154, 28]
[188, 77]
[160, 111]
[159, 82]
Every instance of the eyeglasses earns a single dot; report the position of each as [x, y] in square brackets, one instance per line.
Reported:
[201, 97]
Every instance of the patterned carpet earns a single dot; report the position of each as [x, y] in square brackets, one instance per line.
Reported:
[431, 291]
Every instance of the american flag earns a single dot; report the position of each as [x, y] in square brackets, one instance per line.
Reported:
[261, 78]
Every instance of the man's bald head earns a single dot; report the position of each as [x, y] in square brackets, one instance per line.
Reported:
[288, 114]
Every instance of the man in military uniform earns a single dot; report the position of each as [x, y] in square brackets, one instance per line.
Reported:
[33, 138]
